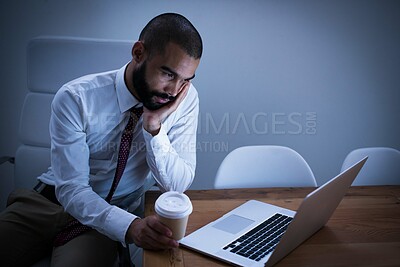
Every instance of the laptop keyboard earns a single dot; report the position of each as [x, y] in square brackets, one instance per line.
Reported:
[260, 241]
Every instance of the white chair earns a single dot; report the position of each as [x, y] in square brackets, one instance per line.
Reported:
[381, 168]
[264, 166]
[53, 61]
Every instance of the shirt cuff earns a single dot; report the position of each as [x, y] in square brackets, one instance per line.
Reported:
[158, 144]
[118, 222]
[158, 147]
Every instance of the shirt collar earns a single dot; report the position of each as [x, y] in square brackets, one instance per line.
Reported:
[126, 100]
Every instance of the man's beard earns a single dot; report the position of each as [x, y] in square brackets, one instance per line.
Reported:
[143, 89]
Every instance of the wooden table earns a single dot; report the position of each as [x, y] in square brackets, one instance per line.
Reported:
[363, 231]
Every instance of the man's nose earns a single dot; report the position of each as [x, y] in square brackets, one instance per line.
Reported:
[173, 88]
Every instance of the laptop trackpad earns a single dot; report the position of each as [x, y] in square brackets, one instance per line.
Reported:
[233, 224]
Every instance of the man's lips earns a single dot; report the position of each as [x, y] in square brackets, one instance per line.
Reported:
[161, 100]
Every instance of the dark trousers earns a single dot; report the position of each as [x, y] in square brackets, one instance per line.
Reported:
[27, 229]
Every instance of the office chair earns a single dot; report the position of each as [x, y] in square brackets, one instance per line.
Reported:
[381, 168]
[263, 166]
[51, 62]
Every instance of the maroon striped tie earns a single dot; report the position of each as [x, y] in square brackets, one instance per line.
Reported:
[75, 228]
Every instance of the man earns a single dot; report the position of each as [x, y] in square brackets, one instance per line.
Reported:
[88, 120]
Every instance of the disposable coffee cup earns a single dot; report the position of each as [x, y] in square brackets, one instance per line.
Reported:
[173, 210]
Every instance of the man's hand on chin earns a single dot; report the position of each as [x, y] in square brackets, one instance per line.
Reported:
[152, 118]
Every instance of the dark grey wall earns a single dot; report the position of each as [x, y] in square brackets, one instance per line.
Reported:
[318, 76]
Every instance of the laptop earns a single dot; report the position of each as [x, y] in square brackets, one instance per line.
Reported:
[260, 234]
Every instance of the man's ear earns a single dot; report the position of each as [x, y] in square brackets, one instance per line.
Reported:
[138, 52]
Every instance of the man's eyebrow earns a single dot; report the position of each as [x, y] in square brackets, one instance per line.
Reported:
[176, 74]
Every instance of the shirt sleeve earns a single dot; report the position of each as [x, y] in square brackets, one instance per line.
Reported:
[171, 154]
[70, 164]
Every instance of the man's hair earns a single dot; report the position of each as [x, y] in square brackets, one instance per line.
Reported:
[171, 27]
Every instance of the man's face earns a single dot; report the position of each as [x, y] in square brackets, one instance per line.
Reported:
[159, 79]
[145, 93]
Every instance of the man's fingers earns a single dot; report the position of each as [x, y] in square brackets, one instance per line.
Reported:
[152, 234]
[157, 226]
[161, 233]
[182, 94]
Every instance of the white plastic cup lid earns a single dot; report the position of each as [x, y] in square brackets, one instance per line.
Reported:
[173, 205]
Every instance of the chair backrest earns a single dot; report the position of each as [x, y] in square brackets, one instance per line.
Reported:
[51, 62]
[381, 168]
[263, 166]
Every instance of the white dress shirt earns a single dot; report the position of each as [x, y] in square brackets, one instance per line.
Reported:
[87, 120]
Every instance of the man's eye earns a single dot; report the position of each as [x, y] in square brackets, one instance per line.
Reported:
[169, 75]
